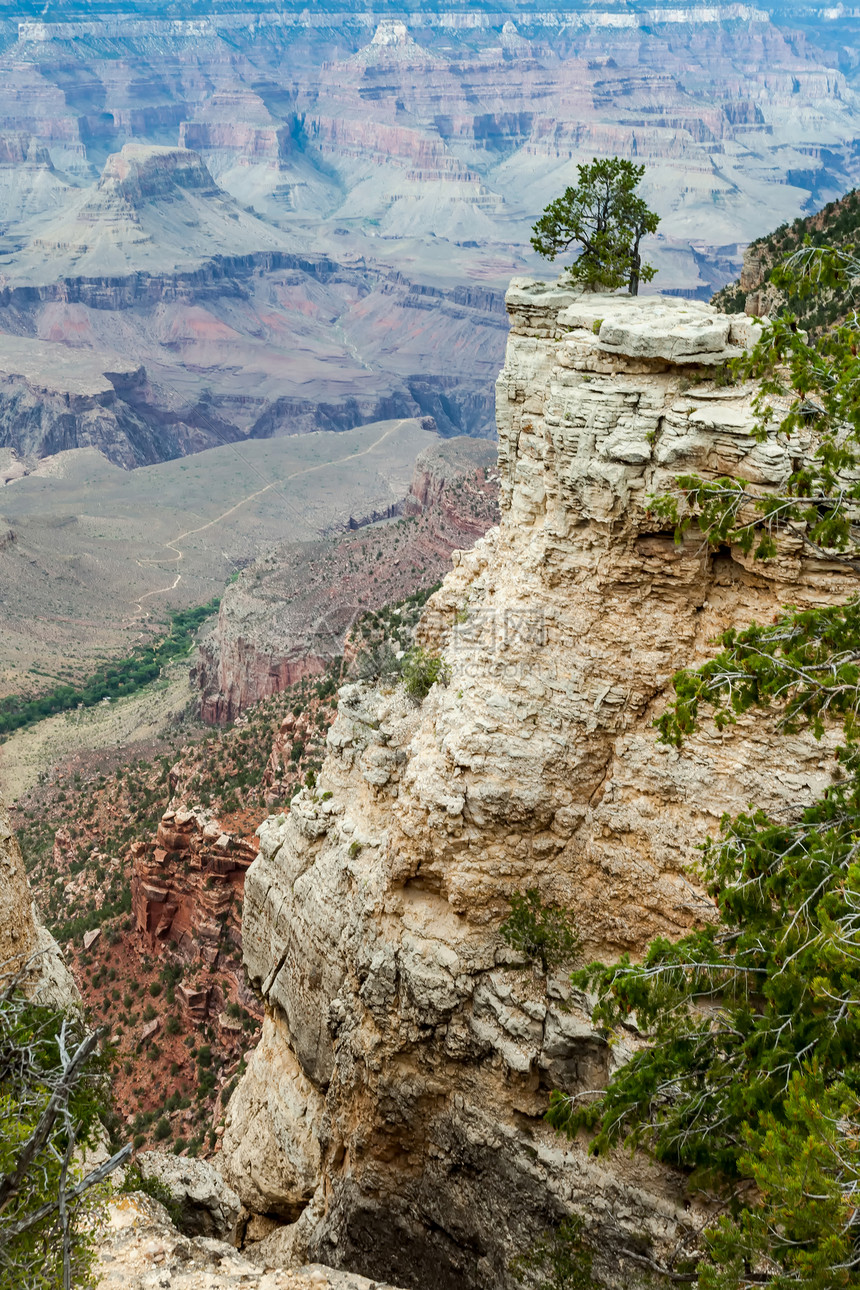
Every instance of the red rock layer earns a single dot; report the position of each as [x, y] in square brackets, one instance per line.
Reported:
[187, 886]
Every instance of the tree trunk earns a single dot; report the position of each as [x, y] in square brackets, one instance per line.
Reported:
[635, 266]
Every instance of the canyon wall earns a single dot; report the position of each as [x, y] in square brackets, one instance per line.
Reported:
[27, 946]
[288, 614]
[392, 1115]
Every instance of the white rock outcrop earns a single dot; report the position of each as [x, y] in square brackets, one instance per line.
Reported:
[206, 1205]
[393, 1113]
[139, 1248]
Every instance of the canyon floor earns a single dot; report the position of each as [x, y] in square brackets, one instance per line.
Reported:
[96, 557]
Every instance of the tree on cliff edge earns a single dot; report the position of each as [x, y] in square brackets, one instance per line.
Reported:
[608, 219]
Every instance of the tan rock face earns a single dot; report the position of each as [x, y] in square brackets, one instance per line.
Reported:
[140, 1248]
[399, 1089]
[23, 939]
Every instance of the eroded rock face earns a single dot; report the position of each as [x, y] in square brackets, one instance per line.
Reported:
[139, 1248]
[25, 944]
[207, 1206]
[399, 1088]
[187, 887]
[289, 614]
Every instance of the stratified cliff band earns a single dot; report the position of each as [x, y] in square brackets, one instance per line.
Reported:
[392, 1116]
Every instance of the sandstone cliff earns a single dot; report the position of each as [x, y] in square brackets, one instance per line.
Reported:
[392, 1113]
[24, 942]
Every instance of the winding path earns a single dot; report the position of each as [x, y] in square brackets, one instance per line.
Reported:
[173, 544]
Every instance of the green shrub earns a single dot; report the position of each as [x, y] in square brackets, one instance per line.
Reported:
[545, 934]
[136, 1180]
[558, 1260]
[163, 1130]
[421, 671]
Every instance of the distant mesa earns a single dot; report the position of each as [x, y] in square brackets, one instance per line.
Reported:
[154, 209]
[391, 32]
[23, 150]
[141, 172]
[392, 43]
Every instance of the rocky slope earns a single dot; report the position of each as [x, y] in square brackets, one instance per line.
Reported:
[27, 946]
[54, 397]
[837, 225]
[391, 1116]
[288, 614]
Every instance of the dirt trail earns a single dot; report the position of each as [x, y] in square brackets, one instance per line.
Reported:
[173, 544]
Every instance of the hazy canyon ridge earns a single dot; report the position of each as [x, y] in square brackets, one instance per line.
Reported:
[260, 342]
[260, 220]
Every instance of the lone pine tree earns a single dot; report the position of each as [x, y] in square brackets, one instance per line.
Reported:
[608, 220]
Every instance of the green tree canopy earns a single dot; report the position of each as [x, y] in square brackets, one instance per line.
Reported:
[608, 220]
[54, 1081]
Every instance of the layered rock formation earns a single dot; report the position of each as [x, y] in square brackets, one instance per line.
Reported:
[27, 946]
[288, 614]
[54, 397]
[187, 886]
[392, 1116]
[334, 253]
[375, 140]
[234, 331]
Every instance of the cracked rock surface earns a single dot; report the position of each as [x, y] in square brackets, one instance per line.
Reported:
[140, 1249]
[391, 1119]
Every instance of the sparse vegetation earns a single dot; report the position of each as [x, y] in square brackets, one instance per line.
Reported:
[605, 216]
[421, 671]
[116, 680]
[558, 1260]
[545, 934]
[53, 1083]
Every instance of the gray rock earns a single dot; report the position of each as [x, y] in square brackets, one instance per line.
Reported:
[208, 1206]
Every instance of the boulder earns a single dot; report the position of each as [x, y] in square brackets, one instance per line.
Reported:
[207, 1205]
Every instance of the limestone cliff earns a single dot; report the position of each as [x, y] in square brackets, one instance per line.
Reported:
[392, 1114]
[24, 942]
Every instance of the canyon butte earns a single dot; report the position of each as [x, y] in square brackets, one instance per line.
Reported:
[256, 221]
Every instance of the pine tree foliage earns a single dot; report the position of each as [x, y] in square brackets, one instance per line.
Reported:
[608, 219]
[808, 396]
[751, 1078]
[543, 933]
[836, 226]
